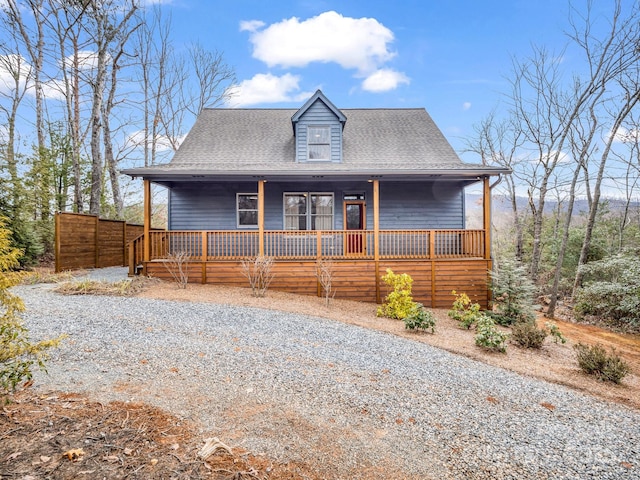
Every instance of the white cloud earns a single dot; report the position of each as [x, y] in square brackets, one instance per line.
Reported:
[10, 66]
[353, 43]
[267, 88]
[384, 80]
[251, 25]
[466, 106]
[624, 135]
[52, 90]
[163, 143]
[87, 60]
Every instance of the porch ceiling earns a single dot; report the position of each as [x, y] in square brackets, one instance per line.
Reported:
[465, 176]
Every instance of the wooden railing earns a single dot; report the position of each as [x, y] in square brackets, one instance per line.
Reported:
[330, 244]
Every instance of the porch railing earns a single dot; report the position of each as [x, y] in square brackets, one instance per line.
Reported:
[305, 245]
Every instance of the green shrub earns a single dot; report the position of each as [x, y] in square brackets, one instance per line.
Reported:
[420, 319]
[594, 360]
[464, 310]
[399, 302]
[513, 293]
[17, 354]
[528, 335]
[488, 336]
[555, 332]
[611, 291]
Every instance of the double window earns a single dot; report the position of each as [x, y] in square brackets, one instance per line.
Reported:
[319, 142]
[308, 211]
[302, 211]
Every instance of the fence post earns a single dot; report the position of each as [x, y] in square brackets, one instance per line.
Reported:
[57, 241]
[96, 244]
[124, 243]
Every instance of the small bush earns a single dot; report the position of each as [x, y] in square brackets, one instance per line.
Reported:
[420, 319]
[325, 276]
[18, 355]
[176, 264]
[488, 336]
[259, 272]
[528, 335]
[555, 332]
[612, 291]
[513, 293]
[594, 360]
[399, 302]
[464, 310]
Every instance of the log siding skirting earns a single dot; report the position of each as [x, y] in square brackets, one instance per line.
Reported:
[433, 280]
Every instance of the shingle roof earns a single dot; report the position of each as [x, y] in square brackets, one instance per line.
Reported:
[261, 141]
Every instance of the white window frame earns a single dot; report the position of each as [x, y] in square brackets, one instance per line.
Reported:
[307, 215]
[310, 143]
[238, 210]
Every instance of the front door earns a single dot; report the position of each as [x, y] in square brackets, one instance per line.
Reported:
[354, 222]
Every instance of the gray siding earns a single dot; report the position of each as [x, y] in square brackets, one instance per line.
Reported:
[318, 114]
[403, 205]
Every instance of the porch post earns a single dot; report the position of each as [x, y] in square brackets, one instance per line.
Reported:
[261, 217]
[487, 218]
[147, 224]
[486, 205]
[376, 235]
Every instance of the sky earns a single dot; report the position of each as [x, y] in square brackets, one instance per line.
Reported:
[449, 57]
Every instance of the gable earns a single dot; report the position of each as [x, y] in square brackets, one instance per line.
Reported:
[318, 133]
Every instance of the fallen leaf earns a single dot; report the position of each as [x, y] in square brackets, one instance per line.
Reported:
[153, 461]
[548, 406]
[127, 451]
[626, 464]
[111, 458]
[74, 454]
[44, 459]
[492, 400]
[175, 446]
[14, 455]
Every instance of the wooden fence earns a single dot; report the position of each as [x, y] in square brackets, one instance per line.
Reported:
[87, 241]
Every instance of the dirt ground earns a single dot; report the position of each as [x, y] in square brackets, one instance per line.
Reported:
[64, 436]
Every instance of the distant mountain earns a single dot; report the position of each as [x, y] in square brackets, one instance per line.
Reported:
[501, 205]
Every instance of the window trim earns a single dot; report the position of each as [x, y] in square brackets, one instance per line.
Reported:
[309, 143]
[238, 210]
[308, 215]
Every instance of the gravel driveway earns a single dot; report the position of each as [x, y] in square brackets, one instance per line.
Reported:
[358, 403]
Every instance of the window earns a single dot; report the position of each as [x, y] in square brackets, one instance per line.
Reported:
[247, 207]
[319, 143]
[308, 211]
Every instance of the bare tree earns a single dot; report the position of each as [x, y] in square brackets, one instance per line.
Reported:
[12, 63]
[498, 142]
[106, 19]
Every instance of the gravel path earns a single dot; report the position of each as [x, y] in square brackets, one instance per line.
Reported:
[361, 403]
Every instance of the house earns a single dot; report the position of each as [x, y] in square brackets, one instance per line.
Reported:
[367, 189]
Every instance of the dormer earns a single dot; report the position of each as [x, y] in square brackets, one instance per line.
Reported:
[318, 127]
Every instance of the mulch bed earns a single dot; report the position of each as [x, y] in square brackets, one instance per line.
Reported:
[67, 436]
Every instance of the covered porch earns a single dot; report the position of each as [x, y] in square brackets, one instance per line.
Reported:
[439, 260]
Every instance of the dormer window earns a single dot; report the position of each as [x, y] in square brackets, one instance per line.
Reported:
[319, 142]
